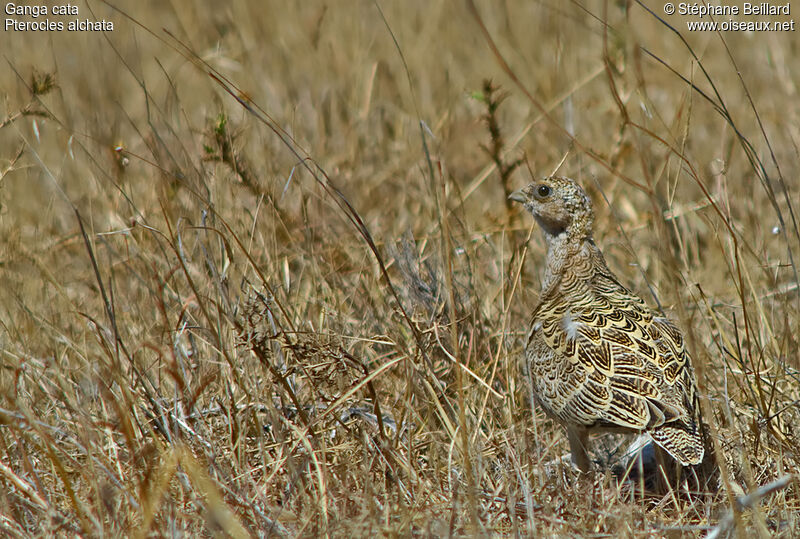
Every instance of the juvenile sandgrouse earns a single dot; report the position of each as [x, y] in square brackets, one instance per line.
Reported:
[600, 359]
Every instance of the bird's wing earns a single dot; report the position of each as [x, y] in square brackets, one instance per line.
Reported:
[637, 373]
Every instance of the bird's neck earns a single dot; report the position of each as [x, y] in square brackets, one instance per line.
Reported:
[568, 252]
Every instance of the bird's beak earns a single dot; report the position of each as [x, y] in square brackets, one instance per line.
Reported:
[518, 196]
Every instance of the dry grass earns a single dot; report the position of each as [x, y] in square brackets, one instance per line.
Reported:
[308, 323]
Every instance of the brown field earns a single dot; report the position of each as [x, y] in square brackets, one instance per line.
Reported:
[301, 313]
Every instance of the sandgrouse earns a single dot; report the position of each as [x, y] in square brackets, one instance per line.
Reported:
[599, 358]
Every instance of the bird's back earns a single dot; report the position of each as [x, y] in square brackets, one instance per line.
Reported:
[600, 358]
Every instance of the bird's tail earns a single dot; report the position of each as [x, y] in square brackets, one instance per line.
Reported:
[683, 441]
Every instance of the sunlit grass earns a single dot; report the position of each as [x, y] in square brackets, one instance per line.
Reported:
[220, 319]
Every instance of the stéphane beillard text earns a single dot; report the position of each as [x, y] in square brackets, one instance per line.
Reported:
[762, 8]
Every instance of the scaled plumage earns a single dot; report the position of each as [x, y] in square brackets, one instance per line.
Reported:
[600, 359]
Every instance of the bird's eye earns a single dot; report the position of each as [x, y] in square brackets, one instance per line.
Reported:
[544, 191]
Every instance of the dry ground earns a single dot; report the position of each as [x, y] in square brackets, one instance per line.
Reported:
[305, 318]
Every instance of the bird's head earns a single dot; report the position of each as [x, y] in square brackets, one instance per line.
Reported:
[559, 205]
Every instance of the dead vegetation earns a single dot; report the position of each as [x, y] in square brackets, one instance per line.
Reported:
[290, 300]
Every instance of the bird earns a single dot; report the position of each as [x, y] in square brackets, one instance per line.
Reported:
[600, 359]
